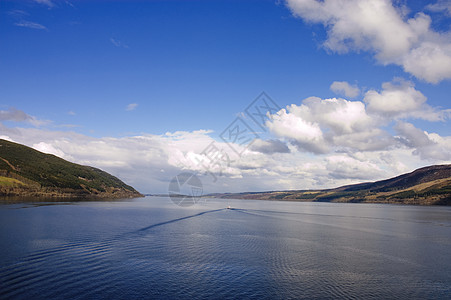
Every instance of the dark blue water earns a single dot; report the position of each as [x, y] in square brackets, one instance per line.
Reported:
[150, 248]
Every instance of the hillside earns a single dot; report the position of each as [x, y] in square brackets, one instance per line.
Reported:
[27, 172]
[426, 186]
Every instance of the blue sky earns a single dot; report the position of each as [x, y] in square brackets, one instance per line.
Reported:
[89, 72]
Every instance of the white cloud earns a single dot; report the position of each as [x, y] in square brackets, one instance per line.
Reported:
[15, 115]
[7, 138]
[346, 167]
[431, 61]
[139, 161]
[428, 146]
[400, 99]
[371, 139]
[47, 148]
[131, 106]
[440, 6]
[29, 24]
[307, 135]
[320, 126]
[379, 27]
[353, 147]
[328, 126]
[395, 99]
[339, 115]
[345, 89]
[412, 136]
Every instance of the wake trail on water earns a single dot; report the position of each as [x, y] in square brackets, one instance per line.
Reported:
[279, 214]
[61, 265]
[178, 219]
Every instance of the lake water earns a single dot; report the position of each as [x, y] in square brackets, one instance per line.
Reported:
[151, 248]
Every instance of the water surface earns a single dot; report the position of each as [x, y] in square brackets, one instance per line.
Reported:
[151, 248]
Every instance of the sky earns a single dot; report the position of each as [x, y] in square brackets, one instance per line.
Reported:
[249, 95]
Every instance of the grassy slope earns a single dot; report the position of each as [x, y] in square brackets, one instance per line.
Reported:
[46, 173]
[10, 182]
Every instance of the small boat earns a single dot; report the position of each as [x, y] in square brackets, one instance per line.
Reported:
[228, 207]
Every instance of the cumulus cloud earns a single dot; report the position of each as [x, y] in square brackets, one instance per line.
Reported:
[400, 99]
[329, 126]
[339, 115]
[321, 125]
[430, 61]
[307, 135]
[345, 89]
[371, 139]
[427, 145]
[342, 166]
[412, 136]
[395, 99]
[381, 28]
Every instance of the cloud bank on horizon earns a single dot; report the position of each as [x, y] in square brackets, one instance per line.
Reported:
[363, 134]
[318, 143]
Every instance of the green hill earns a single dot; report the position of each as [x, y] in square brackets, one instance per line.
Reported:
[426, 186]
[27, 172]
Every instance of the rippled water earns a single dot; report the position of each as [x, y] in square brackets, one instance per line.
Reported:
[150, 248]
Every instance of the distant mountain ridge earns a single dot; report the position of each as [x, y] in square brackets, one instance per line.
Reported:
[25, 171]
[419, 176]
[425, 186]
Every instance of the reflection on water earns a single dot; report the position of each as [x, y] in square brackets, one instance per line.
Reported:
[150, 248]
[39, 201]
